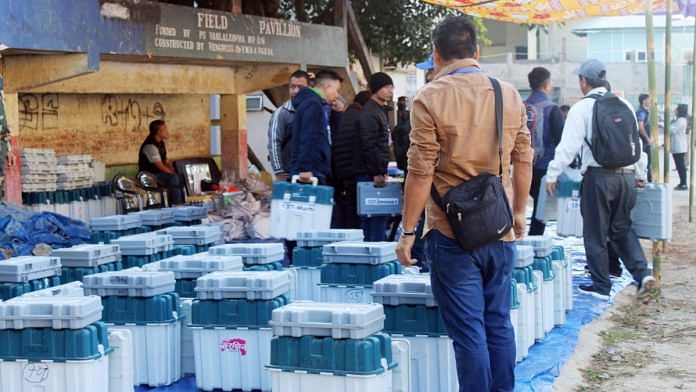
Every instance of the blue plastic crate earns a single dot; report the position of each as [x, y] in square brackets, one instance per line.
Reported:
[526, 276]
[307, 257]
[184, 250]
[36, 344]
[558, 253]
[72, 274]
[514, 298]
[139, 261]
[277, 266]
[234, 313]
[411, 320]
[140, 311]
[11, 290]
[357, 274]
[545, 265]
[185, 288]
[337, 356]
[106, 236]
[385, 201]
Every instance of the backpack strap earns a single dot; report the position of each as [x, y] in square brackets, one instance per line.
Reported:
[498, 94]
[596, 97]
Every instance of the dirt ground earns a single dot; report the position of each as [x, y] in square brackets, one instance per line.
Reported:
[644, 344]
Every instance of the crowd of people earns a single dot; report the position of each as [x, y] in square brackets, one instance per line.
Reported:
[472, 141]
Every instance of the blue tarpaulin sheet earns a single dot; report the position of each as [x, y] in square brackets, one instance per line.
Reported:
[21, 230]
[546, 359]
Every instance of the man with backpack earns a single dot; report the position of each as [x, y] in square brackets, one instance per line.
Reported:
[603, 127]
[545, 123]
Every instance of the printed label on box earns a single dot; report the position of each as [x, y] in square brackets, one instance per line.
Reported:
[377, 201]
[236, 344]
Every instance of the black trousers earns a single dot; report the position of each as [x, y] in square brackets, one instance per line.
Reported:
[680, 162]
[536, 227]
[345, 211]
[606, 203]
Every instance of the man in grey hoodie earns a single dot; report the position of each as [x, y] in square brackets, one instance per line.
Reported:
[280, 129]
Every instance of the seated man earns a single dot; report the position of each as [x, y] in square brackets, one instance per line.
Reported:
[153, 158]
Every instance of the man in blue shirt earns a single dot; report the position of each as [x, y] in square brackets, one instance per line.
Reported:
[546, 117]
[643, 116]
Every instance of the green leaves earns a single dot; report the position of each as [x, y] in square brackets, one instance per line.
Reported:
[398, 30]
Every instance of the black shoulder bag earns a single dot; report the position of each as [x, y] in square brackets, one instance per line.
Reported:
[478, 210]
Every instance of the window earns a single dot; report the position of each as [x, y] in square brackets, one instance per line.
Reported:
[636, 55]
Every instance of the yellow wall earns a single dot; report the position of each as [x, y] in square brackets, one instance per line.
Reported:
[112, 127]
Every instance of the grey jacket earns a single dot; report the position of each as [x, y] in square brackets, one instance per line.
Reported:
[279, 136]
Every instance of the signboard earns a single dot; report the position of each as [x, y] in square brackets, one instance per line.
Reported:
[207, 34]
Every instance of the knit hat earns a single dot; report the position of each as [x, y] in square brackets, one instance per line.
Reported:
[379, 80]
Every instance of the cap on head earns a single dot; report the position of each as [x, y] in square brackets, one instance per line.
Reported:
[592, 69]
[379, 80]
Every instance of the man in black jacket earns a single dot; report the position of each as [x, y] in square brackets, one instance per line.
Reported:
[346, 145]
[371, 164]
[152, 158]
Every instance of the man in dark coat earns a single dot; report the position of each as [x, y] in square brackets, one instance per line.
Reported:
[344, 149]
[373, 159]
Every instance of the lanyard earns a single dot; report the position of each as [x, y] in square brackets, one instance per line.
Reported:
[465, 70]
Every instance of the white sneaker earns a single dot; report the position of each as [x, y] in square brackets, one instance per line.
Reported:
[647, 285]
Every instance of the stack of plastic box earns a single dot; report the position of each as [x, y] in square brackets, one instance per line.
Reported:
[527, 294]
[38, 170]
[88, 259]
[112, 227]
[543, 268]
[231, 334]
[330, 347]
[75, 172]
[120, 341]
[157, 219]
[562, 262]
[200, 236]
[141, 249]
[20, 275]
[53, 344]
[351, 268]
[190, 215]
[308, 257]
[145, 304]
[186, 270]
[412, 314]
[256, 257]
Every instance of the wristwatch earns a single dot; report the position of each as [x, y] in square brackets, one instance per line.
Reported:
[405, 233]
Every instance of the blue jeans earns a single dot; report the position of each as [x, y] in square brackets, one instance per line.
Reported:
[175, 184]
[374, 228]
[472, 289]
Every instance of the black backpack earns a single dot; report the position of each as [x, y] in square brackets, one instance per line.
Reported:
[615, 138]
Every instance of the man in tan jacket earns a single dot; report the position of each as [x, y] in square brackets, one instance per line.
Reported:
[453, 139]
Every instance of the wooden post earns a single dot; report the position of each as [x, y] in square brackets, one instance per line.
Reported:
[652, 83]
[668, 88]
[233, 135]
[237, 6]
[692, 145]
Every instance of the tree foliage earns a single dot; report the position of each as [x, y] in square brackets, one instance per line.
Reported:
[398, 30]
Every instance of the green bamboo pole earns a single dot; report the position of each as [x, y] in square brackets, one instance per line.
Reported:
[693, 134]
[668, 88]
[654, 151]
[652, 84]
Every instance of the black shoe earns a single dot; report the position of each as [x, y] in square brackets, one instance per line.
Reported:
[616, 274]
[681, 188]
[590, 289]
